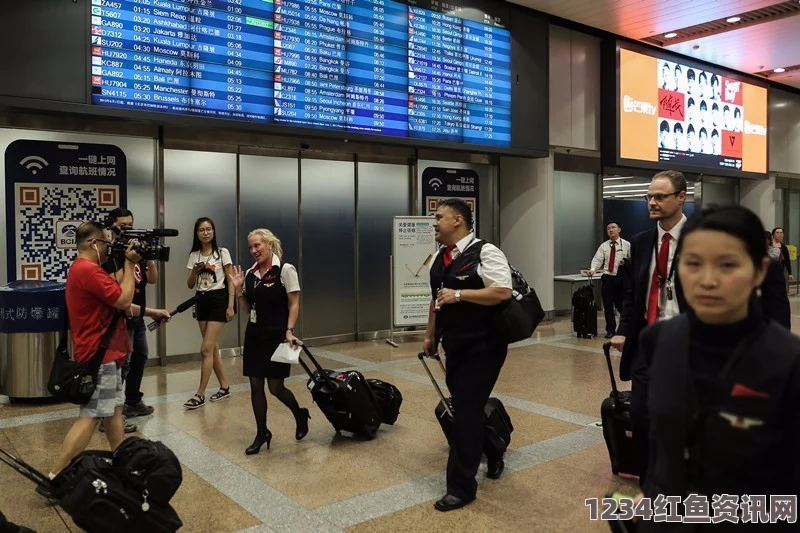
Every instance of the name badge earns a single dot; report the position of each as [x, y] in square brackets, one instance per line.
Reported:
[253, 316]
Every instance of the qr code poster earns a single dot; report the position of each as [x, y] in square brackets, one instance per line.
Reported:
[442, 183]
[51, 189]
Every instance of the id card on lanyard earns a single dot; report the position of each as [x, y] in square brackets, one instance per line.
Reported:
[253, 316]
[661, 279]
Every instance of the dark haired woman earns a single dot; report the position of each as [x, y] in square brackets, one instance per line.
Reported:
[782, 253]
[270, 293]
[209, 269]
[724, 383]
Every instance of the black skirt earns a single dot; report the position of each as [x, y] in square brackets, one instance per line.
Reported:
[258, 349]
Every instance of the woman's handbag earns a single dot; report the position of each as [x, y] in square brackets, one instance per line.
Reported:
[75, 382]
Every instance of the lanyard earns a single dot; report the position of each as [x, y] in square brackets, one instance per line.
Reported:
[661, 278]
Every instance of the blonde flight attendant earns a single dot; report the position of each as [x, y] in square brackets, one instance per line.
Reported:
[270, 293]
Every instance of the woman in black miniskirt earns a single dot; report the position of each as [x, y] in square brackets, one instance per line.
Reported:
[270, 294]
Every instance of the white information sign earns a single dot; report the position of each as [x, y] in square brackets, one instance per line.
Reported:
[413, 246]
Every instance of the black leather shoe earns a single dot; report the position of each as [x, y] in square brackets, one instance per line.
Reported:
[450, 503]
[609, 335]
[495, 468]
[258, 443]
[302, 424]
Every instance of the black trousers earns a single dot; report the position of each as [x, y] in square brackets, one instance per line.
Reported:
[612, 297]
[473, 366]
[640, 419]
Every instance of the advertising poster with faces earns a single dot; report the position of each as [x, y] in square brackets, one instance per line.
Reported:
[690, 117]
[696, 110]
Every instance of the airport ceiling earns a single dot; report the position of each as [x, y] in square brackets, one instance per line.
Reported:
[752, 36]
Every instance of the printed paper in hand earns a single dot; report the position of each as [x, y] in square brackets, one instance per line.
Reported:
[285, 353]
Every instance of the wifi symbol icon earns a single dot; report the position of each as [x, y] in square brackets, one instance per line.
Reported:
[34, 163]
[435, 183]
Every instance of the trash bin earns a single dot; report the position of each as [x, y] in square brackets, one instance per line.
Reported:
[32, 317]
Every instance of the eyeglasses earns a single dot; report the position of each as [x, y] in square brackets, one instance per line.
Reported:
[205, 230]
[658, 197]
[103, 241]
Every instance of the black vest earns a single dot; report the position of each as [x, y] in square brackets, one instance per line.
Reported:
[268, 297]
[461, 318]
[745, 445]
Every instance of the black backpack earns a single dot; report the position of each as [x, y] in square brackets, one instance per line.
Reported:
[149, 465]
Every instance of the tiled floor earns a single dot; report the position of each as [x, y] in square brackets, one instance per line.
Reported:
[552, 386]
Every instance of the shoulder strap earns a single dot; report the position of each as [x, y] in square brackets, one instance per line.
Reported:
[106, 340]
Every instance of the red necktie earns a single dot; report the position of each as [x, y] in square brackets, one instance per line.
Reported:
[612, 258]
[448, 255]
[659, 272]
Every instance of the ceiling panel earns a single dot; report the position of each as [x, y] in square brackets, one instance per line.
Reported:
[638, 19]
[751, 49]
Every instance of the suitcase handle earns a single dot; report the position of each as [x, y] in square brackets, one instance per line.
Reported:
[422, 357]
[316, 364]
[23, 468]
[607, 352]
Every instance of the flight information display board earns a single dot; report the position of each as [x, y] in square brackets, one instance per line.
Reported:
[362, 66]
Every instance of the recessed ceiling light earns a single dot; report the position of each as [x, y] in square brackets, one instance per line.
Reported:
[733, 19]
[670, 35]
[779, 70]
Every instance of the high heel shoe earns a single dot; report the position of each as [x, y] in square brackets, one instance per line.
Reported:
[260, 441]
[302, 424]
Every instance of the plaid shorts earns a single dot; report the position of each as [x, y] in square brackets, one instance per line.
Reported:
[108, 395]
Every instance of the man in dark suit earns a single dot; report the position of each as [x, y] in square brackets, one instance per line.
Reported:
[652, 292]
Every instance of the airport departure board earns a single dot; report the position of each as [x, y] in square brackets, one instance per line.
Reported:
[403, 69]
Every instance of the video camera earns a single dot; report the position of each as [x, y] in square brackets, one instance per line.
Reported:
[148, 246]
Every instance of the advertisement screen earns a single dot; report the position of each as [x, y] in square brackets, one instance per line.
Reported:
[680, 115]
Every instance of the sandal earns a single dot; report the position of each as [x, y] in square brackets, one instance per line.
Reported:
[198, 400]
[221, 394]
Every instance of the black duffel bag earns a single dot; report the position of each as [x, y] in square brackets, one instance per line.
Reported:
[151, 466]
[75, 382]
[389, 399]
[100, 498]
[517, 318]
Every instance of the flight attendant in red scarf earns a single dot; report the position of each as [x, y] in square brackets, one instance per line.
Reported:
[270, 294]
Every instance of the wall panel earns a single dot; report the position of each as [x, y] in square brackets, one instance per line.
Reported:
[383, 193]
[196, 184]
[328, 247]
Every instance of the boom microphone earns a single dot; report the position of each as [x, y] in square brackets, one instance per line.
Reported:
[165, 232]
[180, 309]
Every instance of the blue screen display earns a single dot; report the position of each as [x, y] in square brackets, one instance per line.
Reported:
[361, 66]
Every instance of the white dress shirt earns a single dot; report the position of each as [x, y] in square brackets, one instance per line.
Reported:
[493, 268]
[666, 308]
[603, 255]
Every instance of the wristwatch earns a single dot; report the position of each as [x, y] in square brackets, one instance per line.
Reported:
[458, 295]
[291, 330]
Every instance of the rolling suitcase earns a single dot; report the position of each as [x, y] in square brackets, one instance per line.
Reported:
[584, 312]
[345, 398]
[615, 412]
[498, 423]
[98, 497]
[389, 399]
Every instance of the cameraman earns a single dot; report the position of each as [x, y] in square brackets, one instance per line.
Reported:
[144, 273]
[93, 299]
